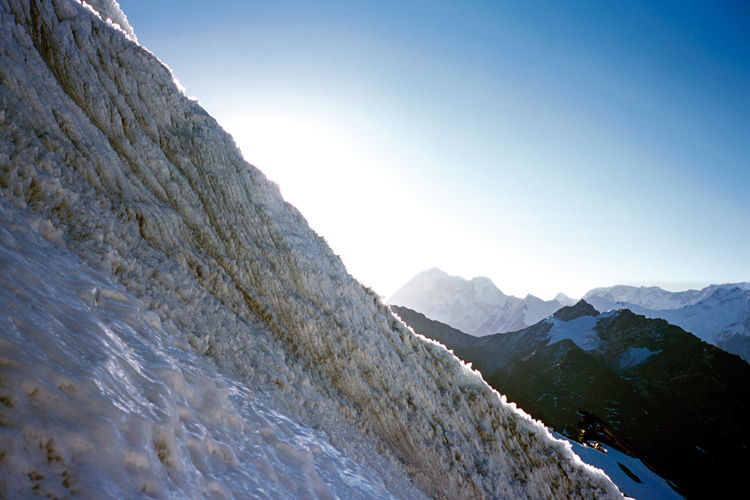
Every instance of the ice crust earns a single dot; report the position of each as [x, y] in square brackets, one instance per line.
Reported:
[110, 11]
[171, 327]
[100, 402]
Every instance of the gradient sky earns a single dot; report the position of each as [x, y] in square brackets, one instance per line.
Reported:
[550, 146]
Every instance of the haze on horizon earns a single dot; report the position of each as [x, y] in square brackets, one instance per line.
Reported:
[550, 146]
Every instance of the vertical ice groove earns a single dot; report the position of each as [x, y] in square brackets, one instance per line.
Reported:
[149, 190]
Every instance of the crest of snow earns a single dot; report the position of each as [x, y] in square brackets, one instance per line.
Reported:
[580, 330]
[652, 298]
[635, 356]
[109, 10]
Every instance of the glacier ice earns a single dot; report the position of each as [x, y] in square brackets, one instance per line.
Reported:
[172, 327]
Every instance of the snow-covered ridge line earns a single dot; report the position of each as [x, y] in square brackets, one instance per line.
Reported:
[110, 11]
[109, 160]
[653, 298]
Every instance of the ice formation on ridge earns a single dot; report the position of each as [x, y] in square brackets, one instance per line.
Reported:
[106, 159]
[110, 10]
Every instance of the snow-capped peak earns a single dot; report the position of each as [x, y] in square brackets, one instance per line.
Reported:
[475, 306]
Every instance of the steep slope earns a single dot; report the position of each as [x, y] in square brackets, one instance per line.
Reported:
[681, 404]
[717, 314]
[106, 159]
[97, 400]
[474, 306]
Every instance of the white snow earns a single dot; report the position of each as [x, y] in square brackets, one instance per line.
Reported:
[648, 297]
[171, 327]
[98, 401]
[650, 487]
[580, 331]
[635, 356]
[565, 300]
[110, 11]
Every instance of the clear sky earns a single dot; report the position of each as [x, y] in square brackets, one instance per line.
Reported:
[550, 146]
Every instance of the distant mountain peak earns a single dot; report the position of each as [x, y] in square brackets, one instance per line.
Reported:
[569, 313]
[482, 281]
[565, 300]
[475, 306]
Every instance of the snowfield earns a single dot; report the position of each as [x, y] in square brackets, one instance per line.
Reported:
[171, 328]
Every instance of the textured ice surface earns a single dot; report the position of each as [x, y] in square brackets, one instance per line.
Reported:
[231, 345]
[98, 401]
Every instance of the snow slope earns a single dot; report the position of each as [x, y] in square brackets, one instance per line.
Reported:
[635, 479]
[475, 306]
[99, 401]
[183, 333]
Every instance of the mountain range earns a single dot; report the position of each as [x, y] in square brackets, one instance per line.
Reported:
[474, 306]
[170, 327]
[658, 392]
[717, 314]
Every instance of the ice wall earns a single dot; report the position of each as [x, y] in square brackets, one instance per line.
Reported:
[110, 161]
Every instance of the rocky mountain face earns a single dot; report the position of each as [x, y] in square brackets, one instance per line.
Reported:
[683, 405]
[474, 306]
[717, 314]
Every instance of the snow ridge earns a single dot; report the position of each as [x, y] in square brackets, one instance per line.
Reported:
[109, 10]
[104, 157]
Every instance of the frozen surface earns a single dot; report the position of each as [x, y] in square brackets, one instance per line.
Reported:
[109, 10]
[173, 328]
[99, 401]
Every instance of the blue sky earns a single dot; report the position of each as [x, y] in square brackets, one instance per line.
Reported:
[550, 146]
